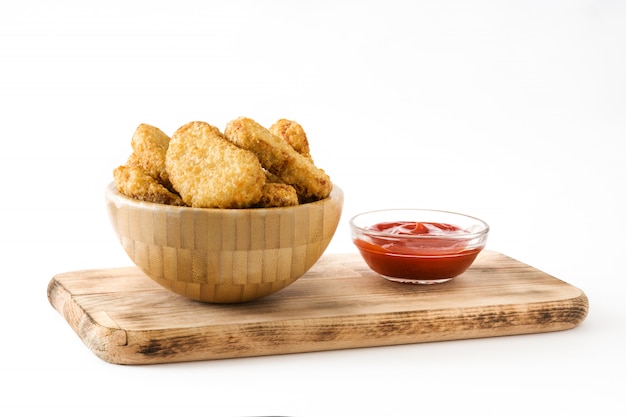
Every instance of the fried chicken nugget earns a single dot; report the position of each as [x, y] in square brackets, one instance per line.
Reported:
[271, 178]
[149, 146]
[134, 182]
[279, 158]
[278, 195]
[209, 171]
[293, 133]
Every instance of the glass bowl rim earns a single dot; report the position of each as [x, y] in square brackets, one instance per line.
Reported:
[466, 235]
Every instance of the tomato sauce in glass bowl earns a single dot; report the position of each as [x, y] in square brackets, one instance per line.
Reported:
[416, 245]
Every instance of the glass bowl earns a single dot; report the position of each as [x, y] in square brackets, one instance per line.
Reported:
[418, 246]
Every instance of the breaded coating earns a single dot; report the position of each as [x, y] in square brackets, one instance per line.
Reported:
[293, 133]
[279, 158]
[134, 182]
[269, 177]
[278, 195]
[150, 145]
[208, 171]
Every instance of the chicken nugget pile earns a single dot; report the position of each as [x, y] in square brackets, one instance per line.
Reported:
[246, 166]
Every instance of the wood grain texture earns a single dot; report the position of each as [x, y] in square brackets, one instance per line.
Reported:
[126, 318]
[223, 255]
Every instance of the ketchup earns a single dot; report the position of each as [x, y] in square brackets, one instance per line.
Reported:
[443, 254]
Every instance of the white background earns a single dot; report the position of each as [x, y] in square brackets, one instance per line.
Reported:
[512, 111]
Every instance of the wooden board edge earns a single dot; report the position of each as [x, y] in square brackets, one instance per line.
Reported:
[99, 339]
[365, 331]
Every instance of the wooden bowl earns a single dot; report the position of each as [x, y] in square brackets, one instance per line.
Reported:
[223, 255]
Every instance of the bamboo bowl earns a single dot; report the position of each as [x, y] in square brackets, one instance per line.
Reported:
[223, 255]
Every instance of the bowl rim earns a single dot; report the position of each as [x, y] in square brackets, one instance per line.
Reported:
[466, 235]
[113, 194]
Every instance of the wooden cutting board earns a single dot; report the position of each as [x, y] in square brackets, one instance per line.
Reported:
[125, 318]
